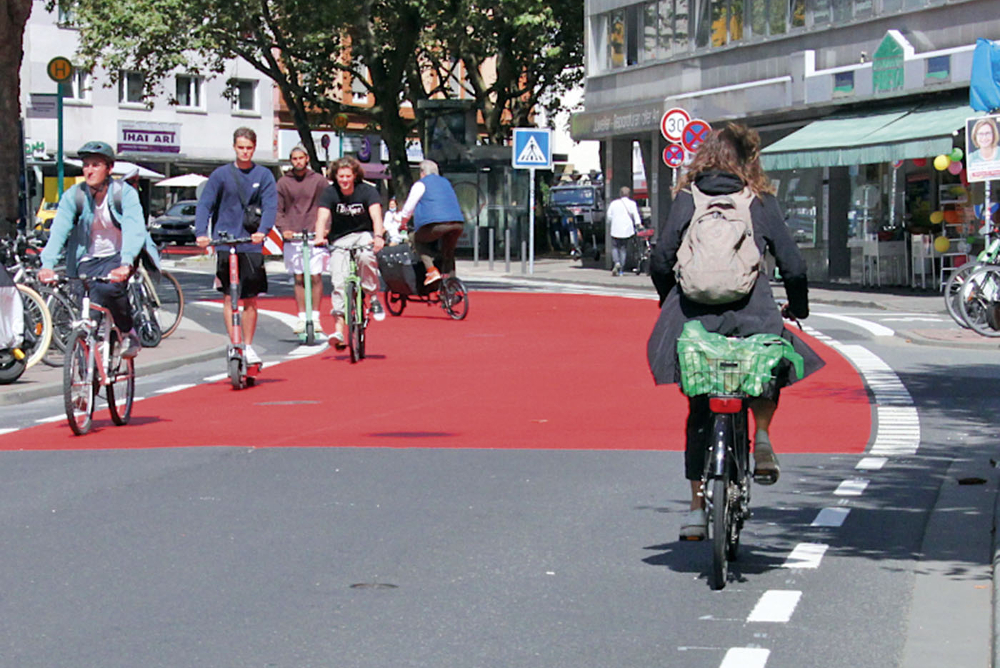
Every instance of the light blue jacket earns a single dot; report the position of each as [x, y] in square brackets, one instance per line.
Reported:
[72, 233]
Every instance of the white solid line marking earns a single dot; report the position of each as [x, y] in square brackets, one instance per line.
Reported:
[54, 418]
[873, 328]
[854, 487]
[805, 555]
[776, 605]
[8, 430]
[745, 657]
[871, 463]
[175, 388]
[218, 376]
[830, 517]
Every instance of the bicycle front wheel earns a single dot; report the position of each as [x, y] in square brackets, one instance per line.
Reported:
[352, 315]
[78, 384]
[979, 300]
[121, 390]
[37, 325]
[170, 303]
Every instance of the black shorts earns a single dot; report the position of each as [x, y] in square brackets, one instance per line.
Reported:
[253, 278]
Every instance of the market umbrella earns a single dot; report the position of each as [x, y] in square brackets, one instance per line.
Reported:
[183, 181]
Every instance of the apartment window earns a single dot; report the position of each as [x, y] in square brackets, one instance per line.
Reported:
[67, 15]
[682, 25]
[841, 10]
[820, 10]
[703, 22]
[245, 98]
[632, 35]
[130, 88]
[664, 16]
[650, 25]
[616, 40]
[79, 86]
[188, 91]
[359, 92]
[891, 6]
[797, 13]
[938, 69]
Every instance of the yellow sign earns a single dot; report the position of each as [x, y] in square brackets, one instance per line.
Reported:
[60, 69]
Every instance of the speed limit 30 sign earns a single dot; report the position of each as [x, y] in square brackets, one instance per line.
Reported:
[672, 124]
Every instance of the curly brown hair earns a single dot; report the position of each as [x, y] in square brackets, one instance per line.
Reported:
[348, 162]
[735, 149]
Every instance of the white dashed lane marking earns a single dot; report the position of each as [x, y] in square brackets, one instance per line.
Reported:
[806, 555]
[775, 605]
[831, 517]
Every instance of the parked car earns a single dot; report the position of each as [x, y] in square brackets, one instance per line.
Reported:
[582, 205]
[44, 217]
[176, 224]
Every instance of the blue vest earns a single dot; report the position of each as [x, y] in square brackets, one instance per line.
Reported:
[438, 203]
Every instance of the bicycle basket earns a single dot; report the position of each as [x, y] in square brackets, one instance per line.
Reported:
[711, 363]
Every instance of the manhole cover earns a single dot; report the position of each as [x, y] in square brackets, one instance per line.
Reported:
[374, 585]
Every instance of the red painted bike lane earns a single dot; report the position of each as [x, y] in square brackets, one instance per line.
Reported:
[523, 371]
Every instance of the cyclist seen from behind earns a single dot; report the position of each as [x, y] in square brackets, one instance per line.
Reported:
[436, 214]
[240, 199]
[350, 214]
[727, 164]
[299, 191]
[98, 238]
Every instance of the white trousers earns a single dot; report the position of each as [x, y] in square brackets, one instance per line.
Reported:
[340, 264]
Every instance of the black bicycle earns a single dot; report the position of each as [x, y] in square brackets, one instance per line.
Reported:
[730, 372]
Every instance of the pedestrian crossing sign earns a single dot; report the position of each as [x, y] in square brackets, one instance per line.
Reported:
[532, 148]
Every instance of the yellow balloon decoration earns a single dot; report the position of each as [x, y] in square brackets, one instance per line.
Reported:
[942, 244]
[937, 217]
[941, 162]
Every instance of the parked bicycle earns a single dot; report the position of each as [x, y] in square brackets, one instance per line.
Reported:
[959, 279]
[93, 361]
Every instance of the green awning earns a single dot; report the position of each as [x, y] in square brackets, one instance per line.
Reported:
[860, 139]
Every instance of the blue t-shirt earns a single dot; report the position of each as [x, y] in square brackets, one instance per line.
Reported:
[220, 202]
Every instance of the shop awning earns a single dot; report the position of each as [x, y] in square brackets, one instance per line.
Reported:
[859, 138]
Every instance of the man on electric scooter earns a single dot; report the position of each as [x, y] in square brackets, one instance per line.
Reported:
[239, 199]
[99, 239]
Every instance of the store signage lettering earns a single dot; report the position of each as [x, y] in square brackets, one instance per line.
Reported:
[148, 137]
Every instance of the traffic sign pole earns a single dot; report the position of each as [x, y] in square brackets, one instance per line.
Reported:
[60, 170]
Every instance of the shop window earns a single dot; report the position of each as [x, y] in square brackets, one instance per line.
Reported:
[130, 87]
[843, 84]
[938, 69]
[800, 192]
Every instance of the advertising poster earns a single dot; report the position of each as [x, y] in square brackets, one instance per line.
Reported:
[982, 148]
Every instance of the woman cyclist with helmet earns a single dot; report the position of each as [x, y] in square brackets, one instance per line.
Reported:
[99, 240]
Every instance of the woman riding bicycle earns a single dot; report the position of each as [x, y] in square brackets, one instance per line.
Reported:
[725, 164]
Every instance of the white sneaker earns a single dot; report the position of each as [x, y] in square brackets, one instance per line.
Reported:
[378, 313]
[317, 328]
[695, 525]
[300, 326]
[251, 355]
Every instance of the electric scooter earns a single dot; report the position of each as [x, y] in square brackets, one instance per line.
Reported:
[241, 374]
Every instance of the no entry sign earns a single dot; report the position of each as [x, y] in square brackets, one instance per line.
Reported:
[672, 124]
[673, 156]
[694, 134]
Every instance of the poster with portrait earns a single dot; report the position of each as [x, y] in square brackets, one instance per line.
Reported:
[982, 148]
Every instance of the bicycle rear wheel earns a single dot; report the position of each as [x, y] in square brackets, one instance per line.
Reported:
[953, 292]
[719, 521]
[78, 384]
[147, 326]
[353, 319]
[455, 297]
[63, 312]
[121, 390]
[37, 326]
[170, 303]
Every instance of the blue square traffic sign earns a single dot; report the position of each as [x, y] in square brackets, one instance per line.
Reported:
[532, 148]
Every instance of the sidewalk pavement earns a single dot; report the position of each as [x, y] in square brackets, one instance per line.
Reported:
[918, 303]
[190, 343]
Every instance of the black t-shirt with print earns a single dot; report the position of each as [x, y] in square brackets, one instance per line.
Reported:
[349, 213]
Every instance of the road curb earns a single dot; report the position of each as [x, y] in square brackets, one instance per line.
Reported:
[995, 626]
[20, 396]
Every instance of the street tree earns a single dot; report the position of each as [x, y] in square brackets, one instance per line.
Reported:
[13, 17]
[517, 56]
[304, 47]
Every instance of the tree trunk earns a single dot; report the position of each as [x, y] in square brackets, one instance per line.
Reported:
[13, 16]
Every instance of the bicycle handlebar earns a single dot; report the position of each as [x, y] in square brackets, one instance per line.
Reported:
[230, 241]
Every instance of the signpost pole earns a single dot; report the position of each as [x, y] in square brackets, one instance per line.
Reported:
[531, 221]
[59, 139]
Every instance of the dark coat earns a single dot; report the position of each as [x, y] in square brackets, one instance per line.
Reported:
[756, 313]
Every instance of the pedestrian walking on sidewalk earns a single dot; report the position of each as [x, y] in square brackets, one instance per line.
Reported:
[299, 191]
[623, 217]
[231, 194]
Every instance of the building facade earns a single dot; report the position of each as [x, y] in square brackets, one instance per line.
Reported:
[853, 100]
[192, 136]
